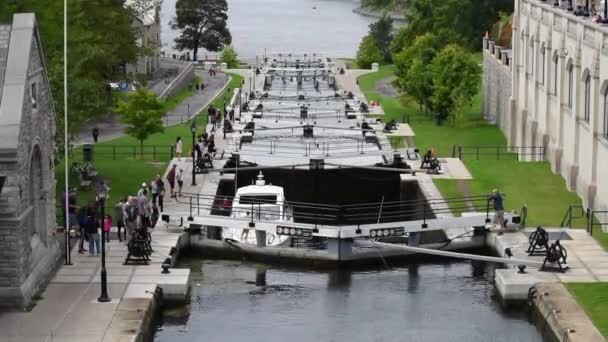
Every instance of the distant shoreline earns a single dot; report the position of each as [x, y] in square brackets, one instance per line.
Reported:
[366, 12]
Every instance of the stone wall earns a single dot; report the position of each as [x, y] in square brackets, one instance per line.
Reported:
[496, 88]
[29, 247]
[183, 79]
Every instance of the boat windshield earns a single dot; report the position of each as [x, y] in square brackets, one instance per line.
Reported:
[258, 199]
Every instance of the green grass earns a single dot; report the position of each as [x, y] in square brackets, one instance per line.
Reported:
[125, 174]
[173, 101]
[530, 183]
[593, 297]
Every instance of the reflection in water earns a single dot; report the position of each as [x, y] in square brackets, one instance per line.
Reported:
[433, 301]
[326, 27]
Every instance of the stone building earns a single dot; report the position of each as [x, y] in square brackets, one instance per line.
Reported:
[29, 249]
[147, 25]
[558, 70]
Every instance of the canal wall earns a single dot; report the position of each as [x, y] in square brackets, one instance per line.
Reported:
[559, 317]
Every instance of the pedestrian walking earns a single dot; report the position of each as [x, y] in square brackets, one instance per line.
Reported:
[131, 213]
[82, 223]
[95, 134]
[179, 147]
[107, 226]
[171, 178]
[499, 215]
[213, 120]
[143, 187]
[180, 181]
[143, 209]
[93, 235]
[120, 218]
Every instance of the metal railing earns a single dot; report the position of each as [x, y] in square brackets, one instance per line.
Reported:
[327, 214]
[498, 152]
[592, 218]
[115, 152]
[575, 211]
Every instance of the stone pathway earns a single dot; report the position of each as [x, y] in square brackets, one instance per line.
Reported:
[111, 128]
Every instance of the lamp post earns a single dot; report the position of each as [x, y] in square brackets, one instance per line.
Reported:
[193, 130]
[102, 194]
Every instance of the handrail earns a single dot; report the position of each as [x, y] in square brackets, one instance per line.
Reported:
[567, 219]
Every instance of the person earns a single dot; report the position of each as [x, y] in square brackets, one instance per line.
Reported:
[95, 134]
[144, 186]
[160, 188]
[180, 182]
[120, 218]
[171, 179]
[130, 213]
[179, 147]
[93, 235]
[143, 209]
[107, 226]
[82, 223]
[497, 201]
[213, 121]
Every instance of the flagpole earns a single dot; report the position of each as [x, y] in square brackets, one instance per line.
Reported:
[68, 259]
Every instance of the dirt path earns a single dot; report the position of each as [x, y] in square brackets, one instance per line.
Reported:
[385, 87]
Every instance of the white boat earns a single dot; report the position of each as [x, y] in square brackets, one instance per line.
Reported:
[266, 202]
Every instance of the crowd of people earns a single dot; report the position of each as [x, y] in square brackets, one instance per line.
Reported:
[140, 211]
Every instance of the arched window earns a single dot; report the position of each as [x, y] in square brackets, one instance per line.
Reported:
[570, 84]
[605, 130]
[541, 70]
[587, 94]
[555, 65]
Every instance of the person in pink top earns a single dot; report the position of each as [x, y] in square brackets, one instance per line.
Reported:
[107, 226]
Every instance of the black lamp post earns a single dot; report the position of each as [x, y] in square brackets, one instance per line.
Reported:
[193, 130]
[102, 194]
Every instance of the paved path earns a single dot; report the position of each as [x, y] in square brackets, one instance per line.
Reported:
[112, 128]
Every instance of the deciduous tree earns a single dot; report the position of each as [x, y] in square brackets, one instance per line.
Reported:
[368, 53]
[382, 32]
[230, 57]
[203, 24]
[142, 112]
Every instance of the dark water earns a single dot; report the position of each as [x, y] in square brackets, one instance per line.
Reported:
[439, 301]
[327, 27]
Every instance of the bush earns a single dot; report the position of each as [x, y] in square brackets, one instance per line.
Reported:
[230, 57]
[368, 53]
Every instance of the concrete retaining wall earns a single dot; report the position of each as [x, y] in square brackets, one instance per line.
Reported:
[185, 76]
[496, 88]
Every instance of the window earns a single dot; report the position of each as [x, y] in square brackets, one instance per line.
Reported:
[605, 132]
[570, 84]
[541, 71]
[587, 109]
[555, 65]
[34, 96]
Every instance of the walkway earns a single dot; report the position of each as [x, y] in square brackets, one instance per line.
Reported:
[112, 128]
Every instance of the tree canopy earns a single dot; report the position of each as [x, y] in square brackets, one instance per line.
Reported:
[203, 24]
[382, 32]
[230, 57]
[97, 52]
[368, 53]
[143, 113]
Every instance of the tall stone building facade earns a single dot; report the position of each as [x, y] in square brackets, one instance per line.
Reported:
[559, 93]
[29, 250]
[148, 28]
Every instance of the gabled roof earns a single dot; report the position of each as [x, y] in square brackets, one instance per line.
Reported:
[13, 83]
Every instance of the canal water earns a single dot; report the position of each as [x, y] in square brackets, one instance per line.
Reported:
[439, 300]
[328, 27]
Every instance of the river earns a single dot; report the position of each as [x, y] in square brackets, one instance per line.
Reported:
[327, 27]
[437, 300]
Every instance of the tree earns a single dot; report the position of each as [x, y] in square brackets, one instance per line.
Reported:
[230, 57]
[203, 24]
[400, 41]
[456, 78]
[413, 74]
[142, 112]
[368, 53]
[382, 32]
[457, 21]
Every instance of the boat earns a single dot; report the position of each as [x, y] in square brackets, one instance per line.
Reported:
[266, 202]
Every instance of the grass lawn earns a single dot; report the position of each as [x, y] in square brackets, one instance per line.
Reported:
[181, 96]
[126, 173]
[530, 183]
[593, 297]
